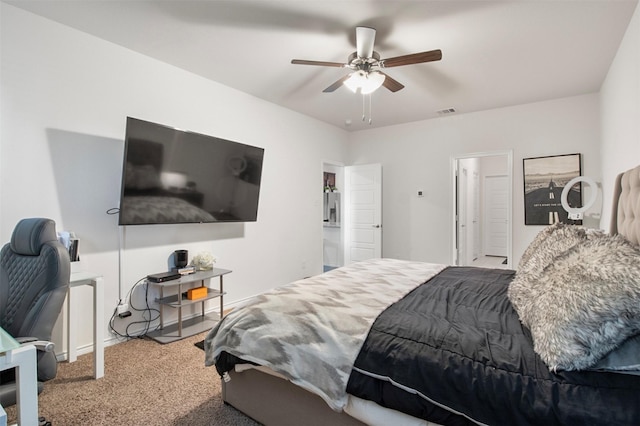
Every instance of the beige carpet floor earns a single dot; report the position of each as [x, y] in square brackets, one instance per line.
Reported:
[145, 383]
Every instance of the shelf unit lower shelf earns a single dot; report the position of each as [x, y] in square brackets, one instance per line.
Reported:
[190, 327]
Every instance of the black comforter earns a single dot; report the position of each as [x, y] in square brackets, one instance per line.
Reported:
[453, 351]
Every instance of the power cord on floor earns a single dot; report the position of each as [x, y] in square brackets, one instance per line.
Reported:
[149, 314]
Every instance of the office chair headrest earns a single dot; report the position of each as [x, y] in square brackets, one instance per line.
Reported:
[30, 234]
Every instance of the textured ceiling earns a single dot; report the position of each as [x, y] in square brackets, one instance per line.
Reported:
[495, 53]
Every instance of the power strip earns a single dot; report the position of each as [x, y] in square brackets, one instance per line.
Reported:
[123, 310]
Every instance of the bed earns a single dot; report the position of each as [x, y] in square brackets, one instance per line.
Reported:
[389, 341]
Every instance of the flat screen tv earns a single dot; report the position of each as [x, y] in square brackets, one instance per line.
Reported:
[176, 176]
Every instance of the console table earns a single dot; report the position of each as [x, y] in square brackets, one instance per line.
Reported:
[95, 281]
[178, 301]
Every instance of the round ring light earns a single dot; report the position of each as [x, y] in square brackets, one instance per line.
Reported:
[575, 211]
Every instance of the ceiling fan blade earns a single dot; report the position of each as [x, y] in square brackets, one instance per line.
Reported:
[336, 85]
[414, 58]
[319, 63]
[365, 37]
[391, 84]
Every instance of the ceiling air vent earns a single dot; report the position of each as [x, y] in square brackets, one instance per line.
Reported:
[446, 111]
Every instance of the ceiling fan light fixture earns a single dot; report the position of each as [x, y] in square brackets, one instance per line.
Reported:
[354, 82]
[366, 82]
[372, 82]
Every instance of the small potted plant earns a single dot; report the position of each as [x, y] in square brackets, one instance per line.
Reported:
[203, 261]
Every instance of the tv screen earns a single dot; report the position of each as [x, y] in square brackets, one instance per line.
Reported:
[176, 176]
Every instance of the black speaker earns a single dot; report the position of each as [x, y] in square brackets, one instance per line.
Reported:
[181, 258]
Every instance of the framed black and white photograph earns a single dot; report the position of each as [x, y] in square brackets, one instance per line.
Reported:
[544, 180]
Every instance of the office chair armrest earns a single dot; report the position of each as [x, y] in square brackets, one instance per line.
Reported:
[41, 345]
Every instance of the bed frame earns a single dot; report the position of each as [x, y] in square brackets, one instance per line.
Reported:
[271, 400]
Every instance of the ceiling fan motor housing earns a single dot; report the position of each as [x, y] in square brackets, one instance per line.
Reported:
[365, 64]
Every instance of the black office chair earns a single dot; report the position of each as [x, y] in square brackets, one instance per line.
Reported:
[34, 278]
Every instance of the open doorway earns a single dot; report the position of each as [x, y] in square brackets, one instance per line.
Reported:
[352, 213]
[482, 209]
[332, 216]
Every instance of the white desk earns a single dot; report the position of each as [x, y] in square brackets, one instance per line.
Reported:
[23, 359]
[95, 281]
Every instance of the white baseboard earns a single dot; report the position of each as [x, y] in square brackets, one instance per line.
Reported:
[114, 340]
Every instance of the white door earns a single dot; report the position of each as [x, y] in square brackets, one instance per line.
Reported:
[363, 212]
[496, 215]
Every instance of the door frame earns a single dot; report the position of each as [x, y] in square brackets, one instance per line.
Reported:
[454, 191]
[462, 195]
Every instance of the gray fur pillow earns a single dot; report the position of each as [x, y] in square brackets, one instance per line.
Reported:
[582, 305]
[550, 242]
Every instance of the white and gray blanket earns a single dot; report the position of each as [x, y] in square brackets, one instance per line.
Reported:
[311, 330]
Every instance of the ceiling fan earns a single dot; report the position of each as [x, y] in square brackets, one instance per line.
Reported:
[366, 65]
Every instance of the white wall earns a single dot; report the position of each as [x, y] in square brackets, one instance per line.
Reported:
[65, 98]
[620, 100]
[418, 156]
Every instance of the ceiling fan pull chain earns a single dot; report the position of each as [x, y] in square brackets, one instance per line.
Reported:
[370, 110]
[364, 108]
